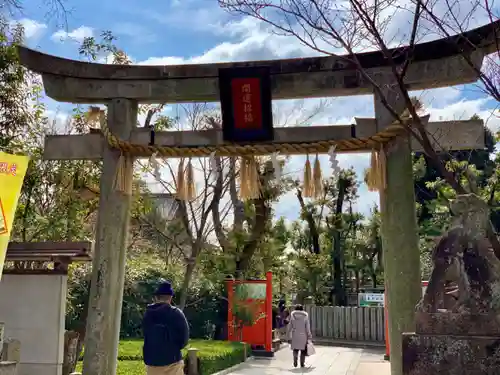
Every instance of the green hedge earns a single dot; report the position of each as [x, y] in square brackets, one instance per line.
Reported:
[214, 356]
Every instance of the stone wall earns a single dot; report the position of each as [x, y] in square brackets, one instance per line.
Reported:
[33, 310]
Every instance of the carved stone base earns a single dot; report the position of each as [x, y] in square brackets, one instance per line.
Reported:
[425, 354]
[8, 368]
[447, 323]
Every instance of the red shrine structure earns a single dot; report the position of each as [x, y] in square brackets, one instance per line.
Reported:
[259, 301]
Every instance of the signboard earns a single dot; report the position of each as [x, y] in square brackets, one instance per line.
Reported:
[246, 105]
[12, 171]
[371, 299]
[252, 291]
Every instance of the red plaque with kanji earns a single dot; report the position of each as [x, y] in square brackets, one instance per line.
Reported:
[246, 104]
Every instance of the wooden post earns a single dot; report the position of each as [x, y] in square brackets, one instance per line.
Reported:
[387, 355]
[11, 351]
[193, 361]
[2, 330]
[269, 312]
[230, 319]
[400, 245]
[106, 293]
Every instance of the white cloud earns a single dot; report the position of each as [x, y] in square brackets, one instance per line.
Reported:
[465, 109]
[76, 35]
[246, 39]
[32, 29]
[200, 15]
[135, 32]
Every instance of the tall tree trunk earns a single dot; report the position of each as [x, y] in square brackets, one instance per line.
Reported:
[262, 213]
[76, 351]
[357, 280]
[188, 275]
[224, 243]
[257, 225]
[197, 243]
[238, 205]
[313, 229]
[373, 272]
[340, 297]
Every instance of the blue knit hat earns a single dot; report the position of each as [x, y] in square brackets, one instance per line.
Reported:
[164, 289]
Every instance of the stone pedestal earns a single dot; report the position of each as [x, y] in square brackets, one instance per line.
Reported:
[452, 344]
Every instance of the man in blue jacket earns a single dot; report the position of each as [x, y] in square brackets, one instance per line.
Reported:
[166, 333]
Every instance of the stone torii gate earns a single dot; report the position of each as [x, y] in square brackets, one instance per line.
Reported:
[122, 88]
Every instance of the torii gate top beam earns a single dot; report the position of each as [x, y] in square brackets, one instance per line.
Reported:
[433, 64]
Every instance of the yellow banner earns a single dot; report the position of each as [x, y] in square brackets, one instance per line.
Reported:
[12, 171]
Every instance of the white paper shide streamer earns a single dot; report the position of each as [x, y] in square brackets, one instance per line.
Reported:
[276, 166]
[334, 163]
[153, 163]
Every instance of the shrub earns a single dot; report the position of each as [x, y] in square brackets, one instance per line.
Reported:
[214, 356]
[203, 307]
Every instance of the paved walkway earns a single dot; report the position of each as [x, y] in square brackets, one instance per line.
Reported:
[328, 360]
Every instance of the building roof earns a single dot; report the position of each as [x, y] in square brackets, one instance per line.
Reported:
[49, 251]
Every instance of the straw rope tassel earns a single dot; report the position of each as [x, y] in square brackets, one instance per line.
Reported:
[307, 188]
[317, 179]
[243, 179]
[382, 159]
[368, 177]
[254, 179]
[191, 187]
[119, 183]
[181, 183]
[372, 178]
[251, 177]
[123, 180]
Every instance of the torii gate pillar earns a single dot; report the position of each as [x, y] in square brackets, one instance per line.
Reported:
[108, 267]
[401, 254]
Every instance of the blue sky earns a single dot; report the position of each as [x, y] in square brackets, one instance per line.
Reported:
[190, 31]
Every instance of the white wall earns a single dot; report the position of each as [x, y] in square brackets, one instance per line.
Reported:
[33, 310]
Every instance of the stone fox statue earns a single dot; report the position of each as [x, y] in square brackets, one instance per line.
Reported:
[463, 258]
